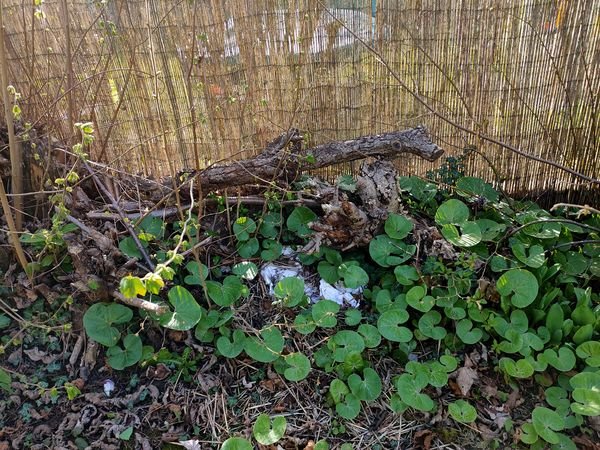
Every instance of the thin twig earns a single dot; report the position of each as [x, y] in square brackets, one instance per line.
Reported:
[122, 215]
[140, 303]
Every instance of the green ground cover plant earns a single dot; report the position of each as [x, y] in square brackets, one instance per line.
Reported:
[516, 280]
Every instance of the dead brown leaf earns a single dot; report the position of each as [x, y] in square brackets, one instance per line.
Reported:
[465, 377]
[422, 439]
[36, 354]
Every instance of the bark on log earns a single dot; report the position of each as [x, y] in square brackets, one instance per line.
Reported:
[285, 157]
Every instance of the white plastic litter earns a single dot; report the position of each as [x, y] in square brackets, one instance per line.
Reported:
[339, 293]
[314, 287]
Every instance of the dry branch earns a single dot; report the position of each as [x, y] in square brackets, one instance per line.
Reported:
[285, 157]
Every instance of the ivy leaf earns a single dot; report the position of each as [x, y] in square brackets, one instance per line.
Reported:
[521, 283]
[187, 311]
[267, 432]
[99, 319]
[131, 353]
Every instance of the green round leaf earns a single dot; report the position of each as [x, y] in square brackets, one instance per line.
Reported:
[119, 358]
[231, 348]
[266, 347]
[397, 226]
[546, 422]
[237, 443]
[428, 325]
[243, 228]
[416, 298]
[225, 294]
[564, 360]
[533, 256]
[406, 275]
[187, 311]
[477, 187]
[353, 317]
[345, 342]
[304, 323]
[272, 250]
[466, 332]
[520, 369]
[490, 230]
[99, 319]
[299, 367]
[130, 248]
[324, 313]
[354, 276]
[290, 291]
[370, 334]
[452, 212]
[368, 388]
[387, 252]
[267, 432]
[521, 285]
[389, 323]
[349, 408]
[467, 234]
[299, 219]
[245, 269]
[462, 411]
[198, 273]
[590, 353]
[249, 248]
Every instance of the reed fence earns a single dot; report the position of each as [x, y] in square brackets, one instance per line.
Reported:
[187, 83]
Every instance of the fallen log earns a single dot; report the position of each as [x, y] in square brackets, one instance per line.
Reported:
[284, 157]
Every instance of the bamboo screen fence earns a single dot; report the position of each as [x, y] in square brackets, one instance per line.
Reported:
[185, 83]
